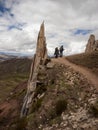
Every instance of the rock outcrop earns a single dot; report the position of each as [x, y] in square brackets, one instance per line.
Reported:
[92, 44]
[39, 59]
[69, 87]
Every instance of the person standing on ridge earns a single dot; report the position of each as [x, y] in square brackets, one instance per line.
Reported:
[56, 53]
[61, 51]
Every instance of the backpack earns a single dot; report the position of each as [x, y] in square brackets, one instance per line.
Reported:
[61, 49]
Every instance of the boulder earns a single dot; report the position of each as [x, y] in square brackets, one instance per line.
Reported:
[50, 65]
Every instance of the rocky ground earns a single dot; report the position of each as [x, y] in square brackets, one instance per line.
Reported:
[65, 100]
[71, 88]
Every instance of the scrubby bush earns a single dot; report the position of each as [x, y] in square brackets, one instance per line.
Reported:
[36, 105]
[61, 105]
[94, 109]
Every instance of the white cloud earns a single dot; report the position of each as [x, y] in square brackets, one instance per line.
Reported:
[62, 18]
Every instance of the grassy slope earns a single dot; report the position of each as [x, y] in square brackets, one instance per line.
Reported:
[89, 60]
[12, 72]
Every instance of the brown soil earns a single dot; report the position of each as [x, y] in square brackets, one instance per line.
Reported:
[91, 77]
[88, 60]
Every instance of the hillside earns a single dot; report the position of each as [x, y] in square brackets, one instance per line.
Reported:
[66, 99]
[6, 56]
[13, 72]
[15, 65]
[88, 60]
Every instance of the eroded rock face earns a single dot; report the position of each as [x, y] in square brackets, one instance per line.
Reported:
[96, 45]
[39, 59]
[92, 44]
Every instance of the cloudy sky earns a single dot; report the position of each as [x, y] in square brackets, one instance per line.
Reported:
[67, 22]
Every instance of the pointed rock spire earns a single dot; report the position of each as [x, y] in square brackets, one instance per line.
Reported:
[42, 30]
[41, 43]
[39, 59]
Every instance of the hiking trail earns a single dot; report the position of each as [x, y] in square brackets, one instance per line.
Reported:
[91, 77]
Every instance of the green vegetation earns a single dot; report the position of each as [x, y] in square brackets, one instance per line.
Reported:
[36, 105]
[12, 72]
[8, 84]
[33, 122]
[61, 105]
[14, 66]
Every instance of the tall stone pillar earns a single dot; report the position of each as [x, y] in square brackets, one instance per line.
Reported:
[39, 59]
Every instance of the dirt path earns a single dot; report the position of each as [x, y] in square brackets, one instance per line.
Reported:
[86, 72]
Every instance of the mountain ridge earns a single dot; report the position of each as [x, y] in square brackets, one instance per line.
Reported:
[64, 84]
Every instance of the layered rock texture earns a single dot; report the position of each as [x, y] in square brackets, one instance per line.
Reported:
[39, 60]
[92, 44]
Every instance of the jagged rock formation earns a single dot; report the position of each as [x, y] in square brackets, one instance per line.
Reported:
[39, 59]
[92, 44]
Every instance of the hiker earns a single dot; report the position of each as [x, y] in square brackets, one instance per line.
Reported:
[56, 53]
[61, 51]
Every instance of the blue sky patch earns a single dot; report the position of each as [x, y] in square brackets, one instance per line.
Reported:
[14, 27]
[3, 8]
[82, 31]
[17, 26]
[12, 15]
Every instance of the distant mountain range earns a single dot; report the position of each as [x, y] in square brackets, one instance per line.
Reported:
[10, 55]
